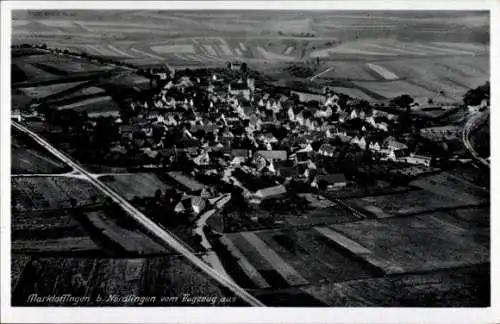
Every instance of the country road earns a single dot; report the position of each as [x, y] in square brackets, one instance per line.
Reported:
[475, 120]
[321, 73]
[161, 233]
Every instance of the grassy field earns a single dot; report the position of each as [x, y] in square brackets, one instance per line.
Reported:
[415, 201]
[47, 90]
[32, 193]
[416, 243]
[28, 157]
[455, 187]
[135, 184]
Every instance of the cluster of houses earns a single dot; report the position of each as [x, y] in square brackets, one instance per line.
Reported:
[220, 124]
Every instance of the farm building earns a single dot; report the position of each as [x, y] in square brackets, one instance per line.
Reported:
[332, 181]
[270, 192]
[279, 155]
[391, 144]
[194, 204]
[419, 159]
[186, 181]
[326, 150]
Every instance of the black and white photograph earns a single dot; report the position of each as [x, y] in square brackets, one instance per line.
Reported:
[165, 158]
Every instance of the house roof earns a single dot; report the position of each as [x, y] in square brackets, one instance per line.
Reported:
[273, 154]
[401, 153]
[271, 191]
[327, 148]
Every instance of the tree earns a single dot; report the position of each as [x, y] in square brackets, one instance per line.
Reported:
[158, 194]
[473, 97]
[244, 67]
[403, 101]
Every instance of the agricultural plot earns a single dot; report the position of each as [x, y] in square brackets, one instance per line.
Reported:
[352, 92]
[415, 243]
[99, 106]
[459, 287]
[32, 72]
[173, 48]
[451, 75]
[391, 89]
[349, 71]
[297, 258]
[412, 202]
[135, 184]
[383, 72]
[33, 193]
[29, 157]
[47, 90]
[452, 186]
[153, 277]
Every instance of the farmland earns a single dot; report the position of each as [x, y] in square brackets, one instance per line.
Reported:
[452, 186]
[285, 259]
[28, 157]
[44, 91]
[45, 219]
[412, 202]
[31, 193]
[438, 289]
[88, 277]
[416, 244]
[135, 184]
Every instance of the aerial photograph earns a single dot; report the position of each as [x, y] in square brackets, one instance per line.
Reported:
[232, 158]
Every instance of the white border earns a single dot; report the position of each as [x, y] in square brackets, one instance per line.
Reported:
[239, 315]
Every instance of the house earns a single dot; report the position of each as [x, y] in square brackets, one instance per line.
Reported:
[202, 159]
[186, 181]
[326, 150]
[241, 153]
[419, 159]
[270, 192]
[383, 126]
[332, 181]
[391, 144]
[276, 155]
[190, 204]
[374, 146]
[239, 89]
[399, 155]
[16, 115]
[343, 117]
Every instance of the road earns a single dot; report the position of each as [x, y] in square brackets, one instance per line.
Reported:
[162, 234]
[475, 120]
[211, 257]
[321, 73]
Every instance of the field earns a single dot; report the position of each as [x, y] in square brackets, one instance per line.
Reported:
[420, 243]
[43, 220]
[28, 157]
[135, 184]
[412, 202]
[153, 277]
[104, 105]
[32, 193]
[455, 187]
[47, 90]
[453, 287]
[284, 259]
